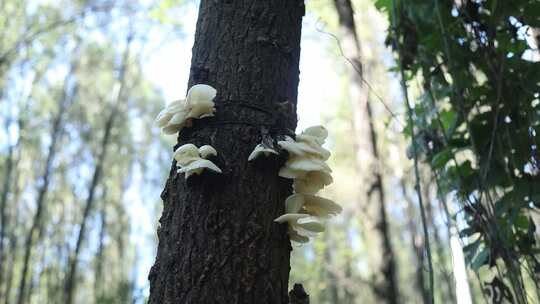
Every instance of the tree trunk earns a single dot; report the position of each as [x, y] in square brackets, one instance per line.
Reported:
[11, 176]
[3, 201]
[68, 95]
[417, 242]
[218, 242]
[100, 255]
[440, 246]
[382, 258]
[11, 233]
[109, 123]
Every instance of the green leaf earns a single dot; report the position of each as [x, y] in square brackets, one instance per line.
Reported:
[481, 259]
[440, 159]
[384, 5]
[522, 222]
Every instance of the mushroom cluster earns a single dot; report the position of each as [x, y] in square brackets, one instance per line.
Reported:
[180, 113]
[192, 160]
[306, 165]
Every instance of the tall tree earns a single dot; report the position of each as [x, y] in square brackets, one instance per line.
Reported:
[217, 241]
[120, 87]
[417, 245]
[385, 286]
[68, 94]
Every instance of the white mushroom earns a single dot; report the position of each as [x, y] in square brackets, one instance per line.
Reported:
[309, 176]
[178, 114]
[307, 164]
[319, 132]
[186, 154]
[206, 151]
[303, 146]
[304, 215]
[305, 212]
[200, 101]
[198, 166]
[301, 226]
[261, 149]
[173, 114]
[188, 158]
[311, 204]
[312, 182]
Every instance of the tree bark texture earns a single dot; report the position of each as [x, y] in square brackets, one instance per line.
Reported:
[218, 242]
[382, 259]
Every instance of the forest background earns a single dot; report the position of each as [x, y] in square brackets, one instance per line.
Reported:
[83, 164]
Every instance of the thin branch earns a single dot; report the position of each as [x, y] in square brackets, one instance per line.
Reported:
[415, 155]
[357, 69]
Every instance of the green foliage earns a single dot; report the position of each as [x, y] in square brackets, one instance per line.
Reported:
[477, 117]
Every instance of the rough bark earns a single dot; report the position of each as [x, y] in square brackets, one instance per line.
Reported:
[218, 242]
[70, 284]
[382, 260]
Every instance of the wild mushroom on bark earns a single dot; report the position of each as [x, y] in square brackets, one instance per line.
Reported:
[179, 114]
[192, 160]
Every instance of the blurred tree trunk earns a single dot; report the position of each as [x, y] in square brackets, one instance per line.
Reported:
[8, 170]
[417, 242]
[331, 295]
[447, 278]
[98, 280]
[382, 259]
[12, 234]
[218, 242]
[69, 93]
[70, 284]
[11, 176]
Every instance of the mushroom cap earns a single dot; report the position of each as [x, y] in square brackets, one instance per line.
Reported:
[176, 106]
[172, 129]
[185, 154]
[202, 110]
[311, 204]
[302, 224]
[307, 146]
[207, 150]
[320, 206]
[308, 226]
[178, 114]
[294, 203]
[317, 131]
[200, 101]
[200, 94]
[290, 217]
[178, 118]
[261, 149]
[307, 164]
[295, 237]
[198, 166]
[312, 182]
[163, 118]
[186, 149]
